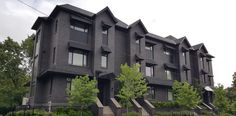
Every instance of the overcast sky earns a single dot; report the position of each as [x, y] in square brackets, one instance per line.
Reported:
[212, 22]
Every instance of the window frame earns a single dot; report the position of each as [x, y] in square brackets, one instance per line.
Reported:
[184, 54]
[169, 75]
[79, 26]
[151, 70]
[73, 52]
[104, 55]
[169, 95]
[105, 33]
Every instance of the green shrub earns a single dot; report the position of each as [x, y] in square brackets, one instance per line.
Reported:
[131, 114]
[71, 112]
[176, 113]
[207, 113]
[158, 104]
[37, 112]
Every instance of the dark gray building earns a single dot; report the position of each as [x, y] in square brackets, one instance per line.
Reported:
[72, 41]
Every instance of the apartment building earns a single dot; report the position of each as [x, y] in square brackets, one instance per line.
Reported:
[72, 41]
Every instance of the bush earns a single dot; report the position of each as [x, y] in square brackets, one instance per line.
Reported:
[165, 104]
[177, 113]
[37, 112]
[131, 114]
[71, 112]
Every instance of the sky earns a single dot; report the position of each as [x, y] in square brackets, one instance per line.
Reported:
[212, 22]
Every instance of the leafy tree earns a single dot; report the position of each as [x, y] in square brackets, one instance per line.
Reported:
[27, 46]
[234, 87]
[133, 85]
[185, 95]
[83, 92]
[12, 75]
[220, 100]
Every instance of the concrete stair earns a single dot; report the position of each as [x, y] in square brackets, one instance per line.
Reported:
[144, 112]
[107, 111]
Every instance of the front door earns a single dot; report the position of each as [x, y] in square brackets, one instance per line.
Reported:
[104, 91]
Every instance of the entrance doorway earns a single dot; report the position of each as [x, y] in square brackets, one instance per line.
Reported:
[104, 91]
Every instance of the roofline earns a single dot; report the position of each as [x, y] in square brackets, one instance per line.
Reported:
[109, 11]
[138, 22]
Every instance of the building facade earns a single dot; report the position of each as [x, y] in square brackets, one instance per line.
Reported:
[72, 41]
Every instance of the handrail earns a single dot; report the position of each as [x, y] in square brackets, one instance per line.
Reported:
[115, 103]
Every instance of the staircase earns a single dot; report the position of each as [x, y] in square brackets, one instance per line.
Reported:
[144, 112]
[107, 111]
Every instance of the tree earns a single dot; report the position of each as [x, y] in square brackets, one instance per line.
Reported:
[27, 46]
[83, 92]
[12, 76]
[185, 95]
[234, 87]
[133, 85]
[221, 101]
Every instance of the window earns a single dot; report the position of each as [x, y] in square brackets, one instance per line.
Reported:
[77, 57]
[104, 60]
[185, 57]
[51, 85]
[204, 78]
[170, 95]
[137, 41]
[68, 83]
[186, 74]
[56, 25]
[139, 62]
[168, 74]
[149, 51]
[79, 26]
[149, 71]
[202, 62]
[170, 53]
[54, 55]
[209, 80]
[149, 47]
[38, 35]
[167, 52]
[105, 36]
[151, 92]
[208, 66]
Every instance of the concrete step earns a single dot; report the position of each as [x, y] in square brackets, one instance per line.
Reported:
[144, 112]
[107, 111]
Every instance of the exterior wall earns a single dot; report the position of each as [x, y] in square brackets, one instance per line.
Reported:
[104, 17]
[51, 76]
[121, 49]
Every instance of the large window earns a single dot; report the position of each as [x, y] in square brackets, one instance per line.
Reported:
[77, 57]
[202, 62]
[78, 26]
[168, 74]
[209, 66]
[69, 83]
[170, 95]
[170, 53]
[149, 70]
[104, 61]
[79, 31]
[149, 50]
[105, 36]
[149, 47]
[151, 92]
[184, 57]
[186, 74]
